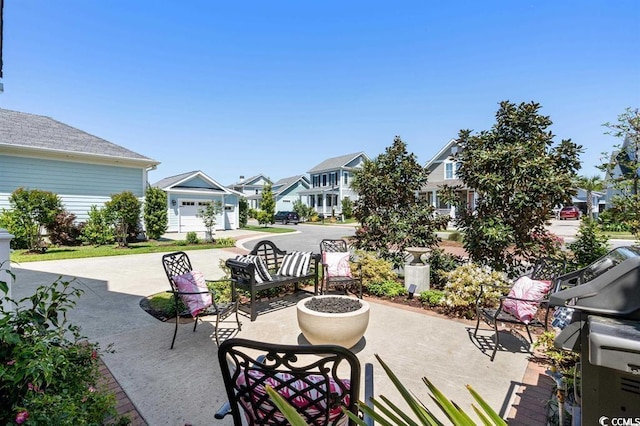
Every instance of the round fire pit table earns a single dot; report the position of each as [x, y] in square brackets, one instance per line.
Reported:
[335, 328]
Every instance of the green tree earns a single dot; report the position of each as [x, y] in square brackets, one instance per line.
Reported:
[98, 230]
[347, 208]
[590, 244]
[391, 214]
[267, 206]
[304, 211]
[155, 212]
[123, 211]
[623, 168]
[519, 176]
[32, 210]
[208, 214]
[590, 184]
[243, 211]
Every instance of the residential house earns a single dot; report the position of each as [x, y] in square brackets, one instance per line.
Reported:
[623, 158]
[188, 192]
[331, 183]
[286, 191]
[442, 171]
[251, 188]
[38, 152]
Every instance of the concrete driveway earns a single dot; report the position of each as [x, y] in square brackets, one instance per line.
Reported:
[184, 385]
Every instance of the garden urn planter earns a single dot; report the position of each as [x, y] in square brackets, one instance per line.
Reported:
[335, 328]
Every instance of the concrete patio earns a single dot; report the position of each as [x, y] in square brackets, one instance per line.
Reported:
[184, 385]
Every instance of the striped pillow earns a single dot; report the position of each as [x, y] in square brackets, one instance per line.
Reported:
[262, 273]
[295, 264]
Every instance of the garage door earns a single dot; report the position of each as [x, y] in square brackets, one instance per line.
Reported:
[188, 217]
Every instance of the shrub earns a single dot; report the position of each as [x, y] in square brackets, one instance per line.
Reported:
[464, 284]
[192, 238]
[455, 236]
[373, 269]
[155, 212]
[226, 242]
[63, 231]
[441, 262]
[97, 229]
[612, 220]
[243, 212]
[388, 288]
[31, 211]
[123, 211]
[590, 244]
[49, 374]
[545, 244]
[432, 297]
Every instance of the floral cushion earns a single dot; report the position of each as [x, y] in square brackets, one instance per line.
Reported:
[193, 282]
[295, 264]
[525, 288]
[337, 264]
[300, 393]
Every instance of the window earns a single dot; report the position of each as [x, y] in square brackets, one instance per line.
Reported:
[451, 169]
[188, 203]
[316, 181]
[324, 180]
[346, 178]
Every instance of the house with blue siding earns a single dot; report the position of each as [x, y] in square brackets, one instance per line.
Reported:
[286, 191]
[330, 183]
[189, 192]
[38, 152]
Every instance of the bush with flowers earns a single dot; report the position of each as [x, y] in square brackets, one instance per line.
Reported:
[49, 373]
[463, 286]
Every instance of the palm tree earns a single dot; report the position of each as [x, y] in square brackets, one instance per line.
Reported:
[590, 184]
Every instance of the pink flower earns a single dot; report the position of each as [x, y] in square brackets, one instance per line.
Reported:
[13, 361]
[92, 389]
[22, 417]
[34, 388]
[94, 354]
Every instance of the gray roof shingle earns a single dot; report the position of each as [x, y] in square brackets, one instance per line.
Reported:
[26, 130]
[335, 162]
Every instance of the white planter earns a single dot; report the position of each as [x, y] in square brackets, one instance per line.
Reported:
[344, 329]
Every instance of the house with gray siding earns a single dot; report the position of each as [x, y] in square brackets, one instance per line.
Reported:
[189, 192]
[331, 183]
[38, 152]
[251, 188]
[442, 171]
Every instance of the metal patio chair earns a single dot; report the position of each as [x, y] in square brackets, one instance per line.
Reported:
[317, 380]
[544, 269]
[336, 270]
[178, 264]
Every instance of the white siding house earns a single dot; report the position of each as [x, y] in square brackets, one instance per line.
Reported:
[188, 192]
[251, 188]
[331, 183]
[38, 152]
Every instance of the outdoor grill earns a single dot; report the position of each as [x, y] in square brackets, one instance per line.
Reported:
[602, 305]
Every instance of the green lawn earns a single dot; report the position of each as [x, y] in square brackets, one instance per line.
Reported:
[270, 229]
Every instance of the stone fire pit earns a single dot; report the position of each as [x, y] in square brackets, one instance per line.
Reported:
[343, 323]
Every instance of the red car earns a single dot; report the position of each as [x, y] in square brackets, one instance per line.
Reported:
[570, 212]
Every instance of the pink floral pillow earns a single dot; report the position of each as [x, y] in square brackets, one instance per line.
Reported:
[525, 288]
[299, 393]
[193, 282]
[337, 264]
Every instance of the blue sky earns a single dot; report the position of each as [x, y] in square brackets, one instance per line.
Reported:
[241, 88]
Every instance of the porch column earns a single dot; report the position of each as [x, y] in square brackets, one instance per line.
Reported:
[5, 263]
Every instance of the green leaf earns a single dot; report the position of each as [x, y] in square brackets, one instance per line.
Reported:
[486, 407]
[287, 410]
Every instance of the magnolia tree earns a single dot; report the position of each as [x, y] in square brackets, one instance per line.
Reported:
[519, 175]
[155, 212]
[391, 214]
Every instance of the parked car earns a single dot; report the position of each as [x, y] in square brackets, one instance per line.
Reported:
[287, 217]
[570, 212]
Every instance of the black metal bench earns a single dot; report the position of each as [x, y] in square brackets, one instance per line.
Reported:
[243, 274]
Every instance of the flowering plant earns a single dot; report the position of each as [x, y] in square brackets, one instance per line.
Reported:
[464, 283]
[49, 374]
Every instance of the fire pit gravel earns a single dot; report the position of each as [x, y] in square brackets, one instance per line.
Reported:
[333, 305]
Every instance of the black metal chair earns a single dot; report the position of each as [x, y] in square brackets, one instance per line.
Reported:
[316, 380]
[348, 281]
[544, 269]
[178, 263]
